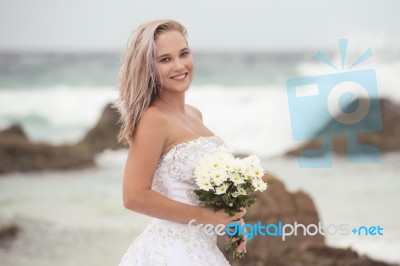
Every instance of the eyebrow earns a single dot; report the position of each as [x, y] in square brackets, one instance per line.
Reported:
[165, 55]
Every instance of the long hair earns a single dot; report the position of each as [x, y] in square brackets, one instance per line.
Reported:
[139, 82]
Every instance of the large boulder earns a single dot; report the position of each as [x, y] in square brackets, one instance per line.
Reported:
[14, 131]
[386, 140]
[104, 134]
[17, 153]
[277, 204]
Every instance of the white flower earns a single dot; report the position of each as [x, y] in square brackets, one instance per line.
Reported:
[257, 172]
[222, 160]
[202, 171]
[227, 161]
[247, 173]
[236, 178]
[242, 191]
[205, 185]
[221, 189]
[203, 178]
[259, 184]
[242, 167]
[235, 194]
[228, 166]
[218, 176]
[253, 160]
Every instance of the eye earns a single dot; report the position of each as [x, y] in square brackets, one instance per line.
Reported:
[184, 54]
[165, 60]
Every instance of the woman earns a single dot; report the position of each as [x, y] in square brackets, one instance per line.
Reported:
[166, 137]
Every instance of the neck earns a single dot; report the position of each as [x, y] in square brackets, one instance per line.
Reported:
[173, 101]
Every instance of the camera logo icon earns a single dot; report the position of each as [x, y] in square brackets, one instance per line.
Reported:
[341, 102]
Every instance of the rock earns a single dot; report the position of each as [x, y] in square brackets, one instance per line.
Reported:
[13, 131]
[277, 204]
[8, 232]
[104, 134]
[386, 140]
[17, 153]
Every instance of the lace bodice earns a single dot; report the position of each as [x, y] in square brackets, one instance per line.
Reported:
[174, 174]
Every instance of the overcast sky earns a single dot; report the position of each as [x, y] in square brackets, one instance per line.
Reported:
[104, 25]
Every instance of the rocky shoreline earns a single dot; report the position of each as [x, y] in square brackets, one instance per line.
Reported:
[18, 153]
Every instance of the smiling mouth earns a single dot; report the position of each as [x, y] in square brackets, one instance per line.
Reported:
[180, 76]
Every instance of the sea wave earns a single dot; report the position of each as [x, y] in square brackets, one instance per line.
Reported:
[252, 119]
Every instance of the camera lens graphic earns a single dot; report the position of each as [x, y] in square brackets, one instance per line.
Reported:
[345, 103]
[344, 94]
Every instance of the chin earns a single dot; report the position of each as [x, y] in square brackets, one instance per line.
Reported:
[181, 88]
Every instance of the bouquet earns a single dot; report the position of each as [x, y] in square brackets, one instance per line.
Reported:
[226, 182]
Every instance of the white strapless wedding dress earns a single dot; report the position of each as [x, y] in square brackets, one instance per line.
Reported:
[170, 243]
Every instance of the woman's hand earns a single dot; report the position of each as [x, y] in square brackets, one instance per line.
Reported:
[242, 247]
[209, 216]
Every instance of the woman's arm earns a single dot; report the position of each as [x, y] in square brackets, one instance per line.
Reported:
[146, 148]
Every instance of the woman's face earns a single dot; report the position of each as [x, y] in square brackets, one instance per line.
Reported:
[174, 61]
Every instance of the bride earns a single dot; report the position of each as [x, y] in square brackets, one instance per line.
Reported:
[166, 137]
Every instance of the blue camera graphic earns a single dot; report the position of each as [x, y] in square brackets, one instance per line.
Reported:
[345, 100]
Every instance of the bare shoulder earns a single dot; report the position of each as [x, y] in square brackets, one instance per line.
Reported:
[152, 129]
[195, 110]
[154, 115]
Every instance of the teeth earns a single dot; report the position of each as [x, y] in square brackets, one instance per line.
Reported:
[179, 77]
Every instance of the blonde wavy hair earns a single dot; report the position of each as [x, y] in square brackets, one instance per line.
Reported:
[139, 82]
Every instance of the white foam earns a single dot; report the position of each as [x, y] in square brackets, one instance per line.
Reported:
[59, 114]
[254, 120]
[250, 119]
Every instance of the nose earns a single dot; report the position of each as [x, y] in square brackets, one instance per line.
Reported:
[179, 64]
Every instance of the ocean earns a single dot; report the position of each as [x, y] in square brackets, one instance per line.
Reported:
[77, 218]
